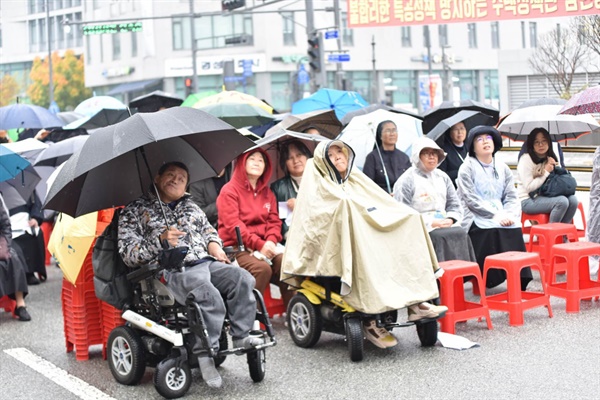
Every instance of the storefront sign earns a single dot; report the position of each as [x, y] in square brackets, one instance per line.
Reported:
[214, 65]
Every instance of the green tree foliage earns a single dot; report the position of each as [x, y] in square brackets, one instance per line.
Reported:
[68, 78]
[9, 88]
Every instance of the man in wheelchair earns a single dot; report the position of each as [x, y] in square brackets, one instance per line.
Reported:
[206, 276]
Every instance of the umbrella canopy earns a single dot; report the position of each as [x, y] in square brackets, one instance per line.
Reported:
[91, 106]
[467, 117]
[325, 121]
[69, 116]
[58, 153]
[11, 163]
[341, 101]
[372, 107]
[104, 117]
[232, 96]
[448, 108]
[70, 242]
[520, 123]
[542, 101]
[110, 169]
[586, 102]
[195, 97]
[238, 115]
[17, 190]
[27, 116]
[29, 148]
[155, 101]
[273, 144]
[360, 132]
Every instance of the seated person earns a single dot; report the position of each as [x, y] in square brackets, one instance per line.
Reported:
[430, 191]
[346, 227]
[492, 213]
[207, 277]
[247, 202]
[456, 152]
[206, 191]
[12, 270]
[292, 160]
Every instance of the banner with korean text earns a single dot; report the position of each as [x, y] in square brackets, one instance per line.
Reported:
[363, 13]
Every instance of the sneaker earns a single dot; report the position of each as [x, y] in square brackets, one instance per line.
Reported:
[432, 307]
[379, 336]
[22, 314]
[209, 372]
[417, 312]
[248, 342]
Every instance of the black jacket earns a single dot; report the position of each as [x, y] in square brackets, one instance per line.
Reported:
[453, 159]
[396, 162]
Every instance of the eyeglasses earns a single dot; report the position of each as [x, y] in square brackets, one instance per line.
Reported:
[481, 138]
[540, 143]
[429, 153]
[389, 131]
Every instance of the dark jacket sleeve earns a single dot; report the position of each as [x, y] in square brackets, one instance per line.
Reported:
[204, 195]
[5, 229]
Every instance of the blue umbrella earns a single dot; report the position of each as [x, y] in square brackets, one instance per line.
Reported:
[10, 164]
[27, 116]
[340, 101]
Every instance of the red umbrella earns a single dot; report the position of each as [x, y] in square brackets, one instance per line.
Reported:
[586, 102]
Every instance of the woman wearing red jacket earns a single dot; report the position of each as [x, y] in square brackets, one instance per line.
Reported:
[246, 201]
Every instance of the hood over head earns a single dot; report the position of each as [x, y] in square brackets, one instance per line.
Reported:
[425, 143]
[239, 172]
[483, 130]
[325, 166]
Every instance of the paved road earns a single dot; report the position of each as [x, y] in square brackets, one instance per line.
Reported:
[547, 358]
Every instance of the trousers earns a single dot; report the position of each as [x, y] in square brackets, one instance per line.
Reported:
[560, 208]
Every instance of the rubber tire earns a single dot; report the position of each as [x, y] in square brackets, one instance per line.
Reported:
[355, 338]
[124, 339]
[257, 365]
[164, 374]
[223, 345]
[427, 332]
[305, 322]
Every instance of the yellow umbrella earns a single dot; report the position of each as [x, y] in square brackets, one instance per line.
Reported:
[233, 96]
[70, 242]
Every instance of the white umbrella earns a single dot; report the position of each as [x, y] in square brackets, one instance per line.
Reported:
[522, 121]
[29, 148]
[360, 133]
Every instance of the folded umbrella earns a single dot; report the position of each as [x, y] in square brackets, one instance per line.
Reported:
[27, 116]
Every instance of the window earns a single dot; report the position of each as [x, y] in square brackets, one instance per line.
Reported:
[443, 35]
[405, 83]
[116, 46]
[347, 34]
[61, 34]
[134, 44]
[495, 35]
[289, 37]
[31, 8]
[33, 36]
[406, 42]
[77, 31]
[472, 35]
[42, 32]
[533, 34]
[523, 41]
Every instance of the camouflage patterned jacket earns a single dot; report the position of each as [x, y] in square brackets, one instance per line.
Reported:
[141, 222]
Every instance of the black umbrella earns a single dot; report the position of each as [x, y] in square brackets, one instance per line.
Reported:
[117, 163]
[58, 153]
[17, 190]
[155, 101]
[369, 109]
[469, 118]
[448, 108]
[325, 121]
[104, 117]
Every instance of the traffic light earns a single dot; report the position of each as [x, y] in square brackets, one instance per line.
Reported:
[188, 86]
[315, 52]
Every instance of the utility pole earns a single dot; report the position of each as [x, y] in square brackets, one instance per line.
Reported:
[447, 84]
[428, 45]
[375, 82]
[193, 33]
[310, 33]
[51, 79]
[339, 74]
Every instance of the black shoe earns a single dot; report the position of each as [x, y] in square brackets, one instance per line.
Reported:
[22, 314]
[43, 277]
[32, 280]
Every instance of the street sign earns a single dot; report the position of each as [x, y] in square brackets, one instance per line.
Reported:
[338, 57]
[112, 28]
[303, 76]
[332, 34]
[247, 67]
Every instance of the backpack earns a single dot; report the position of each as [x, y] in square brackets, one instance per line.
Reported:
[560, 182]
[110, 272]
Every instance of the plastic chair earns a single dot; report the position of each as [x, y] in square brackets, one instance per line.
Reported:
[581, 232]
[452, 294]
[543, 237]
[578, 284]
[274, 306]
[531, 218]
[8, 304]
[514, 301]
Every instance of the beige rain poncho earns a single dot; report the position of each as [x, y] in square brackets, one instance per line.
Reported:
[350, 228]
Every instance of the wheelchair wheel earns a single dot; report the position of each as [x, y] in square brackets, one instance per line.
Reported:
[223, 345]
[257, 361]
[126, 355]
[172, 382]
[354, 336]
[427, 332]
[305, 323]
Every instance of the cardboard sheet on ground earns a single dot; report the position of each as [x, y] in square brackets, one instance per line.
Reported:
[455, 342]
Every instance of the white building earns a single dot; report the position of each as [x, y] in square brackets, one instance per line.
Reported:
[488, 61]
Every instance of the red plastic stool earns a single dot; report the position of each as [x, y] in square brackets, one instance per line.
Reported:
[8, 304]
[274, 306]
[514, 301]
[581, 232]
[578, 284]
[46, 227]
[548, 235]
[453, 296]
[531, 218]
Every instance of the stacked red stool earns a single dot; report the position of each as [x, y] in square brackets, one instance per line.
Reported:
[110, 318]
[531, 218]
[514, 301]
[581, 232]
[452, 294]
[578, 284]
[543, 237]
[274, 306]
[46, 227]
[8, 304]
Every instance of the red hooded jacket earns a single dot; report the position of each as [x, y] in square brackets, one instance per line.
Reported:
[254, 211]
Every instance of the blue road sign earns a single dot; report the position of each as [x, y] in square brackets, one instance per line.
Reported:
[303, 76]
[247, 67]
[338, 57]
[332, 34]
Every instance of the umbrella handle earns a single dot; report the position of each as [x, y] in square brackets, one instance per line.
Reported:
[238, 233]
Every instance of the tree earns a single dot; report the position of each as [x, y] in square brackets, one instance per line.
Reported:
[9, 88]
[589, 32]
[559, 55]
[67, 75]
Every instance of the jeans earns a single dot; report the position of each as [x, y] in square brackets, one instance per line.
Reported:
[209, 283]
[560, 208]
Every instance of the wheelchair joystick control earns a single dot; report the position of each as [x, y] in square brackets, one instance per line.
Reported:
[238, 234]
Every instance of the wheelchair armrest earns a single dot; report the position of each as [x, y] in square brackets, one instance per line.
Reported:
[143, 272]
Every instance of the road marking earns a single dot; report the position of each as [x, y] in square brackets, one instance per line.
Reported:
[57, 375]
